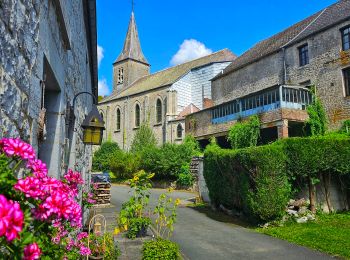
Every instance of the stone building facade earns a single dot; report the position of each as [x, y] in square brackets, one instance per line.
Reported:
[48, 55]
[314, 52]
[161, 99]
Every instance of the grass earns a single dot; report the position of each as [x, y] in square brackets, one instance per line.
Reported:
[329, 234]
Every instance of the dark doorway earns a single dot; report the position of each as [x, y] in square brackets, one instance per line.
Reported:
[223, 142]
[203, 143]
[268, 135]
[297, 129]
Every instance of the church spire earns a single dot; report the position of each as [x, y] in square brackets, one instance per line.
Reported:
[132, 47]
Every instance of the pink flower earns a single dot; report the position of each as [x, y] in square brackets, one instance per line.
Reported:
[38, 167]
[32, 187]
[11, 218]
[82, 235]
[16, 147]
[73, 178]
[31, 252]
[85, 251]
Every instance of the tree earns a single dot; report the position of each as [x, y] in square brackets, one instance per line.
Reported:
[103, 156]
[245, 134]
[143, 138]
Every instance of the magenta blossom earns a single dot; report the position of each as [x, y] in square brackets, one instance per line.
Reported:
[11, 218]
[85, 251]
[16, 147]
[32, 252]
[73, 178]
[38, 167]
[82, 235]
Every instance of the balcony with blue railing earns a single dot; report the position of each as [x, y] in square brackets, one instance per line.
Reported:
[284, 96]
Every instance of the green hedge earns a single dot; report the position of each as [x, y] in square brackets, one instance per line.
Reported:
[160, 249]
[258, 180]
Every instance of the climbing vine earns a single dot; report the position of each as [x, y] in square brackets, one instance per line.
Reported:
[245, 134]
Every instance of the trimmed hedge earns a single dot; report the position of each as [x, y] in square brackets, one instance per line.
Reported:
[258, 180]
[160, 249]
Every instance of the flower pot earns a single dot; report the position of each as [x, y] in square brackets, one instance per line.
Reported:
[142, 232]
[95, 257]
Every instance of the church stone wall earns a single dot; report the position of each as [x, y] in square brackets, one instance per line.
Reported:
[31, 42]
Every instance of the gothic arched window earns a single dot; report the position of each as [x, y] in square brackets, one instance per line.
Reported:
[137, 115]
[159, 111]
[118, 119]
[179, 131]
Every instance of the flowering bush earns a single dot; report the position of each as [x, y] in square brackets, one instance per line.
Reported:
[39, 215]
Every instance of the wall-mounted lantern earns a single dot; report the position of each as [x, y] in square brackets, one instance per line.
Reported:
[93, 124]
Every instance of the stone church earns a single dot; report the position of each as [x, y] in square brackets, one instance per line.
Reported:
[162, 99]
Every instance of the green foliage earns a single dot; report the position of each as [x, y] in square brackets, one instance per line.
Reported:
[329, 233]
[124, 164]
[345, 127]
[258, 180]
[104, 155]
[317, 121]
[192, 144]
[144, 138]
[253, 180]
[111, 250]
[137, 227]
[160, 249]
[166, 161]
[185, 177]
[245, 134]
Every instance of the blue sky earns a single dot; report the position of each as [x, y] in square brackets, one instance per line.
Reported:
[207, 25]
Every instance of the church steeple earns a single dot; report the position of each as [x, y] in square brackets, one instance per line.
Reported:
[132, 47]
[131, 64]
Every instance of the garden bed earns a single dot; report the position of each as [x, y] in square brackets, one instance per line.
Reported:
[329, 234]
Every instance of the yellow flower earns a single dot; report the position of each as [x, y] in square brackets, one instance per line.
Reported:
[177, 202]
[136, 178]
[125, 227]
[150, 176]
[170, 189]
[116, 231]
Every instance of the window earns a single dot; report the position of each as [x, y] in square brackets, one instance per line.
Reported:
[118, 119]
[303, 55]
[159, 111]
[120, 75]
[345, 36]
[346, 74]
[137, 115]
[179, 131]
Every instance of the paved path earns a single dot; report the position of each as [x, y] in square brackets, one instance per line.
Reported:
[204, 236]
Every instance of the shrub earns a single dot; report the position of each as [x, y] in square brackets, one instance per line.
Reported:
[185, 177]
[104, 155]
[253, 180]
[124, 164]
[166, 161]
[144, 138]
[160, 249]
[245, 134]
[345, 127]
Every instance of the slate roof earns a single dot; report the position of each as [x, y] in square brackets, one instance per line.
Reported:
[132, 47]
[336, 13]
[171, 75]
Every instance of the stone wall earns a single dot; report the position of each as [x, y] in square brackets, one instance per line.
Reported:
[38, 38]
[324, 71]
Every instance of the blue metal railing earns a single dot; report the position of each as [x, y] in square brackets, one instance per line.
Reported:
[293, 97]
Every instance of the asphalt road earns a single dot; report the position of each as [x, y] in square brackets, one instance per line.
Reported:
[202, 235]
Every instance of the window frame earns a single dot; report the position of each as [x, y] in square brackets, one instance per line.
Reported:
[304, 58]
[179, 129]
[159, 111]
[346, 79]
[118, 119]
[343, 35]
[137, 114]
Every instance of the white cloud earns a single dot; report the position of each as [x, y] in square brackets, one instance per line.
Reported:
[103, 89]
[189, 50]
[100, 54]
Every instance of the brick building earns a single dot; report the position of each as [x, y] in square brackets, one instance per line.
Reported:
[48, 55]
[272, 79]
[161, 99]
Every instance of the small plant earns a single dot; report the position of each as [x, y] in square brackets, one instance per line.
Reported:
[131, 216]
[160, 249]
[165, 212]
